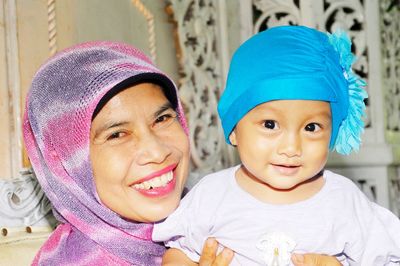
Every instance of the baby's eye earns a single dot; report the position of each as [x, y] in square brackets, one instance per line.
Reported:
[271, 124]
[116, 135]
[313, 127]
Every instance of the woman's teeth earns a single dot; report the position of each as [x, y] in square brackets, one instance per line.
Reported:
[159, 181]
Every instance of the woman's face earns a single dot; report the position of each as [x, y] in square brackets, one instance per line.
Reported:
[139, 153]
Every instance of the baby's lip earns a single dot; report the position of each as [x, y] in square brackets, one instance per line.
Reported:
[286, 165]
[287, 169]
[155, 174]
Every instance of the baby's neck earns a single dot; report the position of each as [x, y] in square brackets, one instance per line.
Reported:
[268, 194]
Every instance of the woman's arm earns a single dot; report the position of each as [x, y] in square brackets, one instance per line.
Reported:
[175, 257]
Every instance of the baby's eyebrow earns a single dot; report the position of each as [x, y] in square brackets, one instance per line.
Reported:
[324, 114]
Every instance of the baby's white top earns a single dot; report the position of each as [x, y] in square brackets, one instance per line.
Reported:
[339, 220]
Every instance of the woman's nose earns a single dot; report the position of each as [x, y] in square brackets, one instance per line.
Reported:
[290, 145]
[152, 149]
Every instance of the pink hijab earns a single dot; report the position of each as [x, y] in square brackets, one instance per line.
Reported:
[59, 109]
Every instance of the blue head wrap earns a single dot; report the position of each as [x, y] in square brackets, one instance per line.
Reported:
[297, 63]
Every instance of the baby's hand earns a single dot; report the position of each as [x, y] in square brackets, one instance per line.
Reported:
[314, 260]
[209, 256]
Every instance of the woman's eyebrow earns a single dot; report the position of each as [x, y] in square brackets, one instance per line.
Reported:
[166, 106]
[107, 126]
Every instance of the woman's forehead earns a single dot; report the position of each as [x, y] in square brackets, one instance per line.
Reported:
[140, 94]
[143, 100]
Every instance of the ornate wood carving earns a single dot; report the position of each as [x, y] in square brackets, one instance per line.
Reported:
[201, 82]
[368, 187]
[23, 202]
[390, 28]
[394, 193]
[350, 16]
[271, 13]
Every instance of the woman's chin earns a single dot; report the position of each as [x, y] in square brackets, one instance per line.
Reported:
[155, 216]
[155, 212]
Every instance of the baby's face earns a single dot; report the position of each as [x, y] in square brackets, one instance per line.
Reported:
[140, 154]
[283, 143]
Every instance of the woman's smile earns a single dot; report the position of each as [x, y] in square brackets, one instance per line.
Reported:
[157, 184]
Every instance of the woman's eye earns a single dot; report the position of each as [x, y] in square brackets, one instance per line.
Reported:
[165, 118]
[271, 124]
[115, 135]
[313, 127]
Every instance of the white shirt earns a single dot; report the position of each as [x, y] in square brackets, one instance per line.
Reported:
[339, 220]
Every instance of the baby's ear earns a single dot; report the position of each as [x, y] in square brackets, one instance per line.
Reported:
[232, 138]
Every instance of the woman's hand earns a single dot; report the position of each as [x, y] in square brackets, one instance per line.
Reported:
[209, 256]
[314, 260]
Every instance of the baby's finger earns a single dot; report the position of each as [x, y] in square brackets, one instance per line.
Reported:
[314, 260]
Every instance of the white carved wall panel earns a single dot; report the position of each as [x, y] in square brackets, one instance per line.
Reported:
[394, 191]
[23, 202]
[350, 16]
[390, 37]
[272, 13]
[202, 70]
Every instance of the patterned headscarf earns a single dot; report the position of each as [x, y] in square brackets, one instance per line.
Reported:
[59, 109]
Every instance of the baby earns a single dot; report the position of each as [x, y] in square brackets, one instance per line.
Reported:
[290, 97]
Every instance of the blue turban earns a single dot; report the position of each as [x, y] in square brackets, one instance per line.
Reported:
[296, 63]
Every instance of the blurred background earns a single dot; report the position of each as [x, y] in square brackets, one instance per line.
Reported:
[192, 41]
